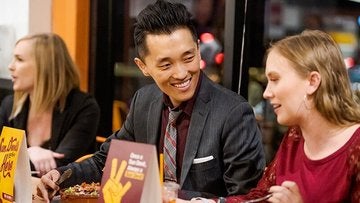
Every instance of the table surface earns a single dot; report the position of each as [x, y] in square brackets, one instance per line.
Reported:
[183, 194]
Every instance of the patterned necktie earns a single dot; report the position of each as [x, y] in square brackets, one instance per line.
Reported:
[170, 146]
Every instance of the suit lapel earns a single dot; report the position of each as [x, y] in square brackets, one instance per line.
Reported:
[153, 122]
[58, 118]
[20, 120]
[197, 123]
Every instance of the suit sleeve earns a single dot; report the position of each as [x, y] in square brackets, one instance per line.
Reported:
[90, 170]
[244, 158]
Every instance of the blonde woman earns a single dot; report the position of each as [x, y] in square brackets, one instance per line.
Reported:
[60, 120]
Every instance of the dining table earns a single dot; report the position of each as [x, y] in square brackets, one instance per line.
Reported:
[183, 194]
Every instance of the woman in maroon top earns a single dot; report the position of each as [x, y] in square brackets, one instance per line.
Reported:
[319, 158]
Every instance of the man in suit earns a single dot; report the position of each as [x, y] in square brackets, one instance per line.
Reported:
[218, 149]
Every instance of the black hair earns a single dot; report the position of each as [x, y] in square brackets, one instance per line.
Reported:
[162, 17]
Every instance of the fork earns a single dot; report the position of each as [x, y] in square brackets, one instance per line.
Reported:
[62, 178]
[258, 199]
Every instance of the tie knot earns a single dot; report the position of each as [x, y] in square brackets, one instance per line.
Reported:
[173, 115]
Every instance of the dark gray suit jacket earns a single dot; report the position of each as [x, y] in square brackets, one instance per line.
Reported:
[222, 125]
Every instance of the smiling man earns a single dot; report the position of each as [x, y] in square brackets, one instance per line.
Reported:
[217, 150]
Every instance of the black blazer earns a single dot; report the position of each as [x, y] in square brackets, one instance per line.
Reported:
[73, 131]
[223, 154]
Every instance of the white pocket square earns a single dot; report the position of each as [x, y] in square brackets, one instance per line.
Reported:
[203, 159]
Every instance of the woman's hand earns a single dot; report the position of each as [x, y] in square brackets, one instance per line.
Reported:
[287, 192]
[43, 159]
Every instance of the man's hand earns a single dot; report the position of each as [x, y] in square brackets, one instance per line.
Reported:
[287, 192]
[113, 190]
[47, 187]
[43, 159]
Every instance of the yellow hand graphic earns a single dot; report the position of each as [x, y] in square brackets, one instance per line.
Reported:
[113, 190]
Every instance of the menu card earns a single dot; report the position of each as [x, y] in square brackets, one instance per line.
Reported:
[14, 167]
[131, 173]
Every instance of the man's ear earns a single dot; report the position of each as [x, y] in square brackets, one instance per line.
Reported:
[141, 65]
[314, 79]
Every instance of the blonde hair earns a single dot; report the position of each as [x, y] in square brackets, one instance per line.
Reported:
[314, 50]
[55, 75]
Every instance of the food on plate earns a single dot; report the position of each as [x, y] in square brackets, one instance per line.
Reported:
[82, 191]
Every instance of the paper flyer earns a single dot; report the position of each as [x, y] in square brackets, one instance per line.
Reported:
[131, 174]
[15, 177]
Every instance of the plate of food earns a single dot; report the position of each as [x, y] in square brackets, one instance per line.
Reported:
[84, 193]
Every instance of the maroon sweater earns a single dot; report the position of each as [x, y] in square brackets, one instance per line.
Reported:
[335, 178]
